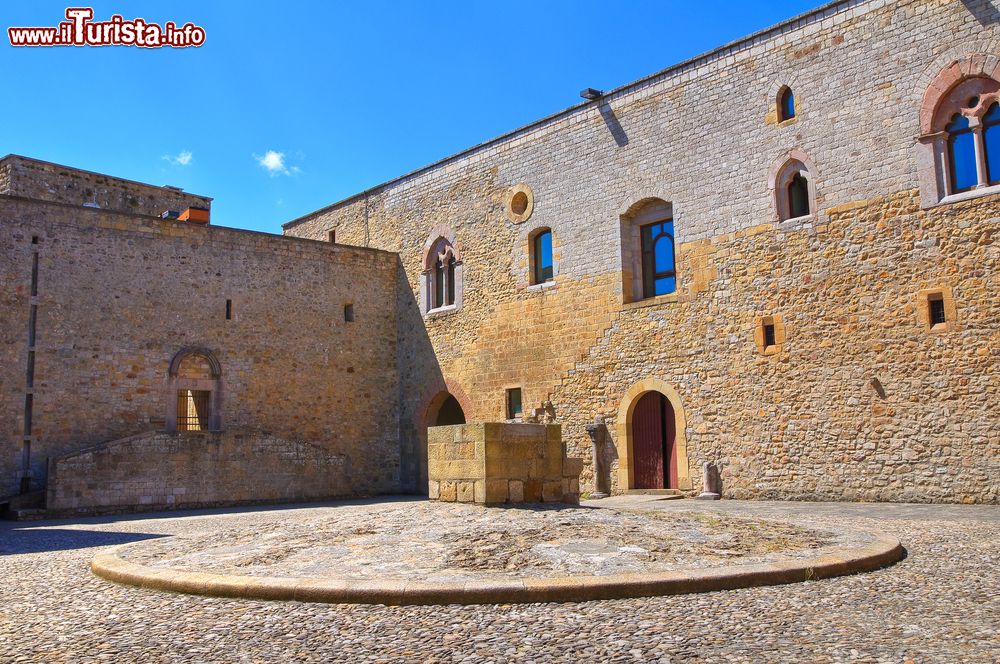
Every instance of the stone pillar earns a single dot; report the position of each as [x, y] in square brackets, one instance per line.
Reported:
[712, 487]
[598, 436]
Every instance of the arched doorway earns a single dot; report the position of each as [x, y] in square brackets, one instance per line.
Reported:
[650, 438]
[654, 443]
[448, 406]
[450, 412]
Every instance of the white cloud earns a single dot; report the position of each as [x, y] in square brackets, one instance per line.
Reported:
[274, 163]
[182, 159]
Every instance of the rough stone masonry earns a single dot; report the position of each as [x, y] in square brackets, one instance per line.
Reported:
[849, 353]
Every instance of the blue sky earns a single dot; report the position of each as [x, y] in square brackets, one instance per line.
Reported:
[349, 94]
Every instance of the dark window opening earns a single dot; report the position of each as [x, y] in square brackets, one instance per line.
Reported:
[29, 402]
[658, 274]
[34, 275]
[34, 239]
[193, 410]
[32, 320]
[542, 257]
[450, 413]
[349, 313]
[438, 284]
[769, 335]
[229, 309]
[786, 105]
[798, 196]
[961, 154]
[936, 310]
[331, 237]
[451, 281]
[514, 403]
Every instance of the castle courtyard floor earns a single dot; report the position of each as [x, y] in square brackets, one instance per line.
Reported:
[940, 604]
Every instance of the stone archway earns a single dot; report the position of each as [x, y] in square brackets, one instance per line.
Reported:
[445, 405]
[624, 429]
[194, 373]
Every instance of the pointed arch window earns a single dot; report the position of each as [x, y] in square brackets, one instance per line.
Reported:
[792, 186]
[959, 148]
[442, 277]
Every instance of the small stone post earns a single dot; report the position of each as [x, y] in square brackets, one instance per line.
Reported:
[598, 436]
[712, 487]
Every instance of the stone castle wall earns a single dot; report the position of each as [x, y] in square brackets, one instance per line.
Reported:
[158, 470]
[804, 422]
[45, 181]
[120, 295]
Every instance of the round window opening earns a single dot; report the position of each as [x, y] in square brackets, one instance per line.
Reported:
[974, 102]
[519, 203]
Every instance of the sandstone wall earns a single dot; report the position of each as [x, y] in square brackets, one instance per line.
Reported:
[42, 180]
[119, 296]
[193, 469]
[704, 136]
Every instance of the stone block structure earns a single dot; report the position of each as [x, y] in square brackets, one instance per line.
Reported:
[802, 177]
[778, 257]
[494, 463]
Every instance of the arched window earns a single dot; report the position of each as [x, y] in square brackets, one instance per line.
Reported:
[792, 185]
[961, 154]
[649, 265]
[786, 104]
[541, 257]
[659, 275]
[959, 145]
[991, 143]
[442, 277]
[195, 391]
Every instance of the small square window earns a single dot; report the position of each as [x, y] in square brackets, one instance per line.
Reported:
[513, 403]
[769, 334]
[936, 309]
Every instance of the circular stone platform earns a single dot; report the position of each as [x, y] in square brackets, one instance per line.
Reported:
[445, 553]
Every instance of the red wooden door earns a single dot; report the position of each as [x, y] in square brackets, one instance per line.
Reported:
[654, 462]
[647, 441]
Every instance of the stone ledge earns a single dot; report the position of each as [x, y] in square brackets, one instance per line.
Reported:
[884, 551]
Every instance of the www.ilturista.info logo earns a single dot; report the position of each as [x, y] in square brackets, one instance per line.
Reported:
[81, 30]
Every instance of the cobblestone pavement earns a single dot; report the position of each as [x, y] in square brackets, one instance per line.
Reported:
[453, 542]
[940, 604]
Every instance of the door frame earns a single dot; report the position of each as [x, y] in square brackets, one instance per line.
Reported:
[623, 439]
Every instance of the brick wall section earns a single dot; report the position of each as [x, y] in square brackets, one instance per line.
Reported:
[45, 181]
[120, 295]
[167, 471]
[704, 137]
